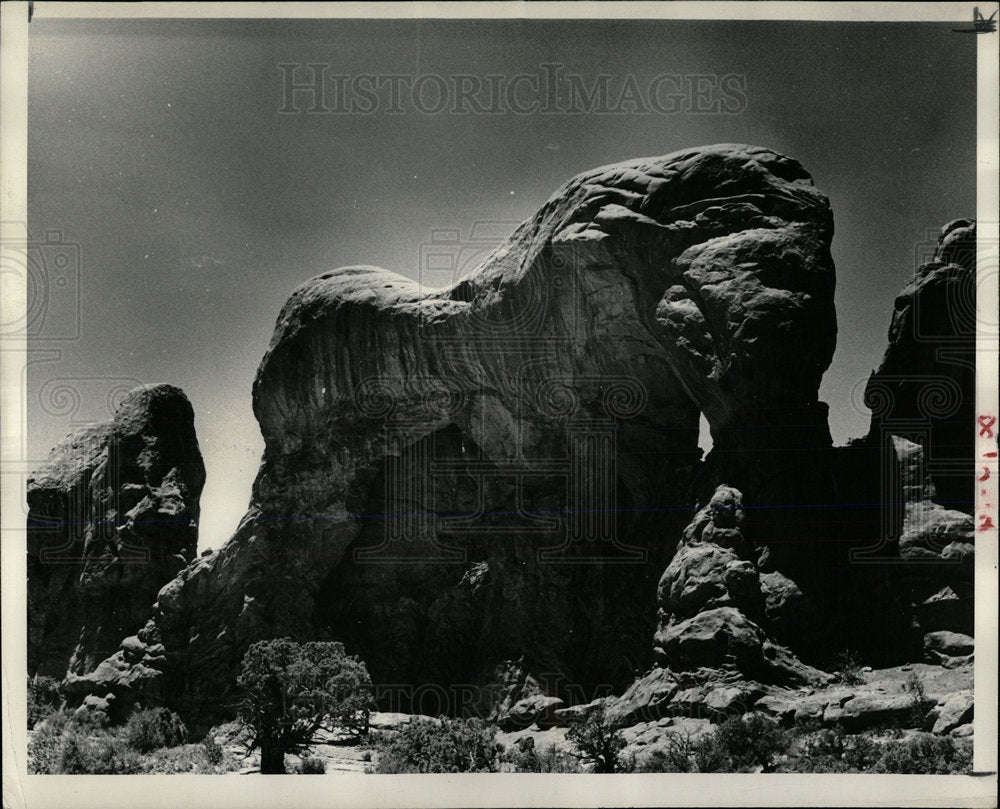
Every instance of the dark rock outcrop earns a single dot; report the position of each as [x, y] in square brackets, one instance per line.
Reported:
[923, 388]
[113, 516]
[712, 609]
[496, 470]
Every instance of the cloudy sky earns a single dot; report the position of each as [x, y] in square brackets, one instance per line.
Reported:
[168, 154]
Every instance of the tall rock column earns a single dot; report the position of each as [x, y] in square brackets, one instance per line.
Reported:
[113, 516]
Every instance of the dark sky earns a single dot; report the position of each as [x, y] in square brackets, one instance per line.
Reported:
[158, 147]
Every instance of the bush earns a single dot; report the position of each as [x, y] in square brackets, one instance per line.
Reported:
[151, 729]
[44, 698]
[676, 754]
[926, 754]
[77, 745]
[213, 751]
[921, 704]
[600, 740]
[312, 766]
[186, 758]
[44, 744]
[741, 744]
[439, 746]
[709, 755]
[831, 751]
[522, 757]
[848, 668]
[752, 741]
[61, 744]
[291, 691]
[553, 760]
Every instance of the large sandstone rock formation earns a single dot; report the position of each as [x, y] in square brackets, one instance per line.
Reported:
[476, 488]
[499, 470]
[113, 516]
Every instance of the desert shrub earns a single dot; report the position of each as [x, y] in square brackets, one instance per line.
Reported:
[44, 744]
[44, 698]
[213, 751]
[600, 739]
[676, 753]
[740, 744]
[710, 756]
[312, 766]
[925, 754]
[291, 691]
[860, 753]
[79, 745]
[61, 744]
[921, 705]
[847, 668]
[831, 751]
[522, 756]
[187, 758]
[553, 760]
[112, 755]
[439, 746]
[150, 729]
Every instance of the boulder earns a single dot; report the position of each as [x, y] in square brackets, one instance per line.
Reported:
[646, 700]
[873, 709]
[956, 711]
[536, 710]
[791, 616]
[711, 638]
[580, 712]
[947, 644]
[704, 576]
[929, 529]
[716, 699]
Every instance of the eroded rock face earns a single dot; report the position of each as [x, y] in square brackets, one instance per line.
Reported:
[496, 470]
[713, 611]
[113, 516]
[924, 387]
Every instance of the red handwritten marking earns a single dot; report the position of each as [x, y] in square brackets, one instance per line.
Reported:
[987, 522]
[986, 474]
[986, 426]
[989, 455]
